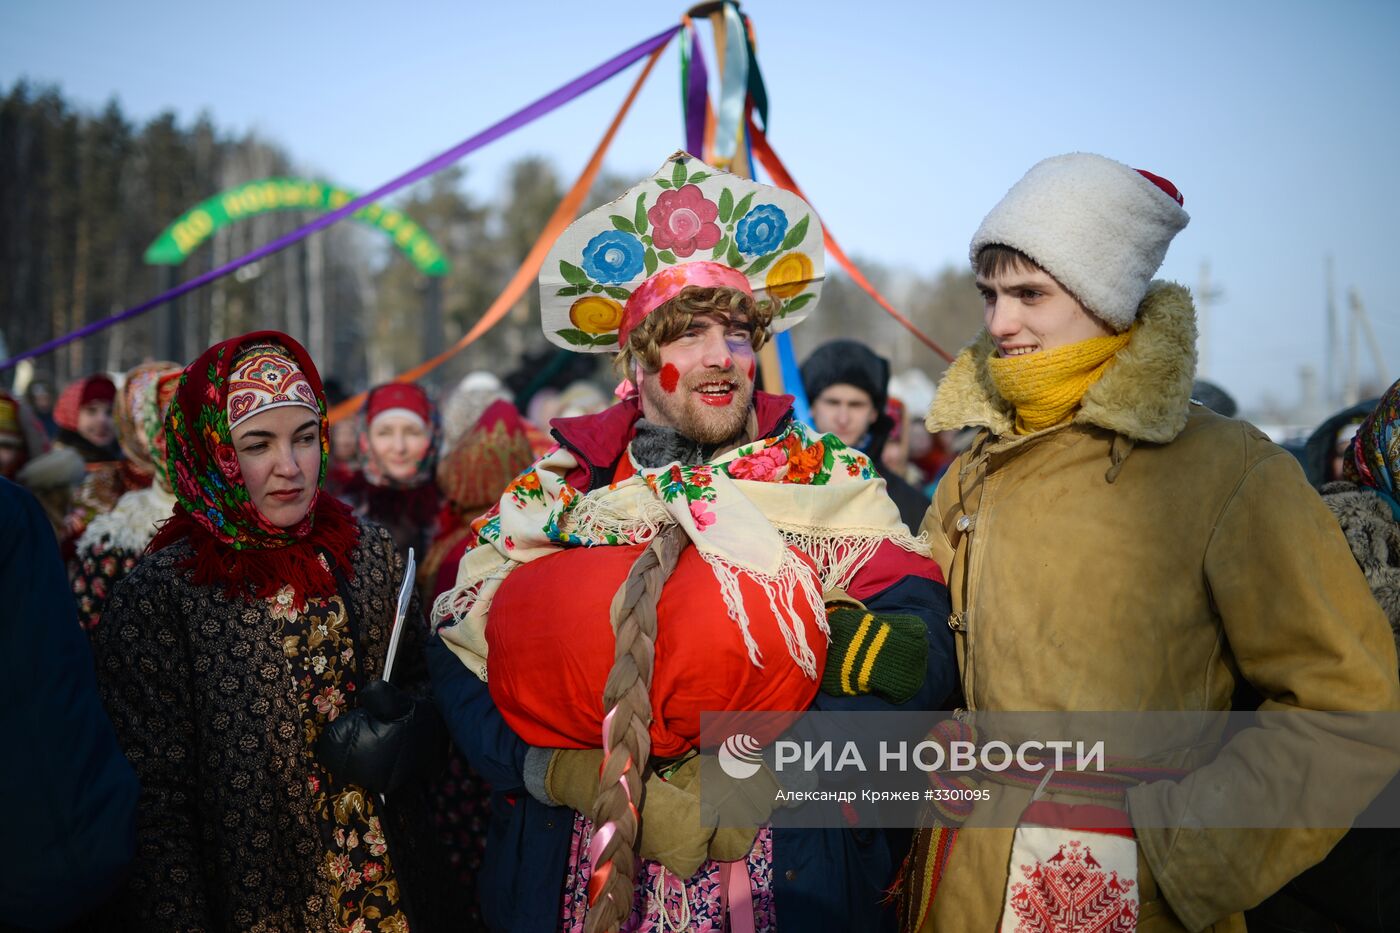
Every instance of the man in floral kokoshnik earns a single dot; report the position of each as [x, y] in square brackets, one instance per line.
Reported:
[798, 586]
[1112, 545]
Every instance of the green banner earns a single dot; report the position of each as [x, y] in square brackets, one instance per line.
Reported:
[193, 227]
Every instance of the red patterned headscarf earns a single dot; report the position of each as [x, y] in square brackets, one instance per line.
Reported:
[1373, 457]
[234, 545]
[483, 462]
[95, 388]
[473, 475]
[135, 413]
[12, 432]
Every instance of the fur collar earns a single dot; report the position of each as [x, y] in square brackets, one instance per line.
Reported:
[1374, 537]
[1144, 396]
[131, 524]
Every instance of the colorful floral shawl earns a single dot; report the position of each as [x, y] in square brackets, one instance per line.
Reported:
[137, 414]
[1373, 459]
[742, 510]
[234, 545]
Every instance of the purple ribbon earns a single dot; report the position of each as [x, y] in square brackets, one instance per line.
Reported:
[696, 96]
[513, 122]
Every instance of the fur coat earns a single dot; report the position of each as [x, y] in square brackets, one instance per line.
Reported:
[1374, 536]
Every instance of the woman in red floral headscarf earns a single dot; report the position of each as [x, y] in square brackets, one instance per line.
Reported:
[261, 611]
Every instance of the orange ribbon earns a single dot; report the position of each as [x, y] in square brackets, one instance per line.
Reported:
[525, 276]
[779, 173]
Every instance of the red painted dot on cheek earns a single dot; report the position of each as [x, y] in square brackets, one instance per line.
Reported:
[670, 377]
[753, 368]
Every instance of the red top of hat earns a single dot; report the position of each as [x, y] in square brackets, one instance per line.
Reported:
[399, 395]
[1166, 186]
[96, 388]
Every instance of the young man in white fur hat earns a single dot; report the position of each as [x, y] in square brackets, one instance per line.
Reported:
[1110, 545]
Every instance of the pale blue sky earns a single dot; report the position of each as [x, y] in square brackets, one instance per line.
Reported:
[904, 122]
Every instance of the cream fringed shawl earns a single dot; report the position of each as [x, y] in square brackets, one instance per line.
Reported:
[742, 510]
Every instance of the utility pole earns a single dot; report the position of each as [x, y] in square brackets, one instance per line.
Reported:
[316, 302]
[1333, 347]
[1350, 392]
[432, 338]
[1363, 320]
[1206, 296]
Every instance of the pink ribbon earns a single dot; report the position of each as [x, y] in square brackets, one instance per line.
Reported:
[602, 835]
[737, 895]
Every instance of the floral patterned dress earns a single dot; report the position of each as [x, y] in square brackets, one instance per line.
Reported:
[93, 574]
[461, 809]
[355, 863]
[664, 902]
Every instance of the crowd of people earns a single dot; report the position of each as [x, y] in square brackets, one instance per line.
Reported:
[207, 586]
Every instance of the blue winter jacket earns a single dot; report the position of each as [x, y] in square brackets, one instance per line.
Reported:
[823, 879]
[70, 795]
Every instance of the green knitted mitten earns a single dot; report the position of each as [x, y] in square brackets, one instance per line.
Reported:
[875, 653]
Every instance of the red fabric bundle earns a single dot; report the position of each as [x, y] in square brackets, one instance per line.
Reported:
[551, 648]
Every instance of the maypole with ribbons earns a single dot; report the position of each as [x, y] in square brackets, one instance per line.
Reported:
[730, 136]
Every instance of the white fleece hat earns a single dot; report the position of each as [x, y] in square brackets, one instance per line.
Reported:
[1100, 227]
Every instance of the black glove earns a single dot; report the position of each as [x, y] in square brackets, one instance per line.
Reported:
[389, 740]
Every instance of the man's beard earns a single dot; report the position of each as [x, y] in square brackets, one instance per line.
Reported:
[686, 413]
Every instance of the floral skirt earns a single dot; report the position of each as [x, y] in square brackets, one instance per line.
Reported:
[666, 903]
[462, 804]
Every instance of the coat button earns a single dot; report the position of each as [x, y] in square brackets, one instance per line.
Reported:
[956, 621]
[548, 824]
[965, 522]
[790, 874]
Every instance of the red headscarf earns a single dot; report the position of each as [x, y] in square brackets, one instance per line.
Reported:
[234, 544]
[402, 398]
[97, 388]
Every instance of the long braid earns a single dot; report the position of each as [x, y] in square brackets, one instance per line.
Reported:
[626, 734]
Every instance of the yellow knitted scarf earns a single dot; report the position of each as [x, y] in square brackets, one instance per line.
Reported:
[1045, 387]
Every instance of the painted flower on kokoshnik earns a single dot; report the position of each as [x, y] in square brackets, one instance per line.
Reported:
[789, 275]
[613, 256]
[594, 314]
[683, 221]
[642, 248]
[761, 230]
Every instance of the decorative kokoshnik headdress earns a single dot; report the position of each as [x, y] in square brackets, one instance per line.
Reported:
[689, 224]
